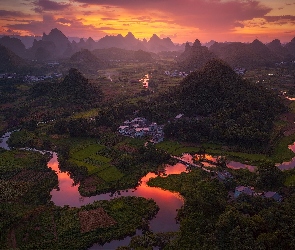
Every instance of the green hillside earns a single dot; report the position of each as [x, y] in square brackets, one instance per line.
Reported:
[218, 105]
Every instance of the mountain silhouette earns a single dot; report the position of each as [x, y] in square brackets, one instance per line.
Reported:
[14, 44]
[194, 57]
[10, 62]
[237, 54]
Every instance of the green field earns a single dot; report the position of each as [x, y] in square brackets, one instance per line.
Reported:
[95, 163]
[281, 152]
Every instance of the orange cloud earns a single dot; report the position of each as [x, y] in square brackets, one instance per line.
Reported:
[231, 20]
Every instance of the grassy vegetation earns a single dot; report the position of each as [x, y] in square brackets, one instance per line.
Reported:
[52, 227]
[95, 163]
[110, 174]
[85, 114]
[290, 181]
[282, 152]
[13, 161]
[177, 148]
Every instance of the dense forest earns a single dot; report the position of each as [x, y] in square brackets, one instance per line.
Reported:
[217, 105]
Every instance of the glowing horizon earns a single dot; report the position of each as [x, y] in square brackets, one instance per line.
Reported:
[181, 20]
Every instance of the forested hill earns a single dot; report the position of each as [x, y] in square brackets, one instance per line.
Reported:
[86, 62]
[74, 92]
[194, 57]
[218, 105]
[217, 87]
[252, 55]
[10, 62]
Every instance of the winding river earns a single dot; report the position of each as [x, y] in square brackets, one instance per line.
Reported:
[169, 202]
[67, 193]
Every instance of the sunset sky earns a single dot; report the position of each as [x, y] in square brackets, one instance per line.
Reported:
[181, 20]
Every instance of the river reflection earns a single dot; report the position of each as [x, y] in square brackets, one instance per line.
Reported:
[67, 193]
[145, 81]
[169, 202]
[238, 165]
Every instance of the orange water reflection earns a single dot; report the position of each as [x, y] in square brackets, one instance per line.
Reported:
[145, 81]
[238, 165]
[169, 202]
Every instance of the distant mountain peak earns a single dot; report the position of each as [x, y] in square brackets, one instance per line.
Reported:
[155, 37]
[130, 35]
[59, 39]
[197, 43]
[256, 41]
[55, 32]
[90, 39]
[54, 35]
[275, 42]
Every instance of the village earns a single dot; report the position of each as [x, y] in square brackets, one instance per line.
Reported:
[30, 78]
[139, 127]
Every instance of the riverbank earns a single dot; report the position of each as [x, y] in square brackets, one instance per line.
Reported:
[67, 197]
[33, 221]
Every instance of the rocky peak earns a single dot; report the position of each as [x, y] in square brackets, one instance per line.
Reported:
[197, 43]
[154, 38]
[130, 36]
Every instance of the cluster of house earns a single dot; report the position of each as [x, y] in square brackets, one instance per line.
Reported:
[28, 78]
[8, 76]
[139, 127]
[284, 63]
[251, 192]
[225, 175]
[52, 64]
[240, 71]
[175, 73]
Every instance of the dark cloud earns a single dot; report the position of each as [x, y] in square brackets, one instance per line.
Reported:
[87, 13]
[48, 5]
[272, 19]
[6, 13]
[49, 22]
[63, 20]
